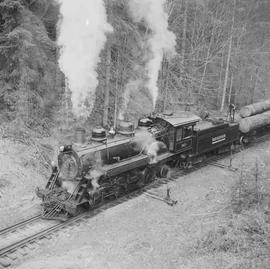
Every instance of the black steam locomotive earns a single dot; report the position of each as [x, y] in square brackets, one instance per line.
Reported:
[105, 168]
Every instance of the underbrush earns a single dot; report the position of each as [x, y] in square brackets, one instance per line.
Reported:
[246, 235]
[37, 155]
[18, 131]
[244, 232]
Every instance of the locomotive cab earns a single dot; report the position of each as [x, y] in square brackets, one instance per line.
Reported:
[178, 130]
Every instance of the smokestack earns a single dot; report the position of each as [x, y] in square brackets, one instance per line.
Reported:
[160, 40]
[126, 128]
[82, 36]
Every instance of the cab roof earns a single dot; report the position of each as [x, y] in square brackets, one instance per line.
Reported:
[180, 118]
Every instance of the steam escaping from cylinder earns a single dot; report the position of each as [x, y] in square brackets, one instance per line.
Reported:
[160, 41]
[69, 186]
[149, 145]
[82, 36]
[95, 175]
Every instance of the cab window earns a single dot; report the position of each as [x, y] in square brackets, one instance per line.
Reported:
[171, 139]
[179, 134]
[187, 131]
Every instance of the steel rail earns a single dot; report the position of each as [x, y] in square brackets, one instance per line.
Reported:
[19, 224]
[42, 234]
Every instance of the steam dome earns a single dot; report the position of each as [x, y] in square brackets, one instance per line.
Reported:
[99, 134]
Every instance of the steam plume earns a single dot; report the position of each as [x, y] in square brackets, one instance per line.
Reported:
[146, 143]
[161, 40]
[82, 36]
[131, 87]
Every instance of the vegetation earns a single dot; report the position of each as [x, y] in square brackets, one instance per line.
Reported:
[247, 233]
[30, 80]
[222, 56]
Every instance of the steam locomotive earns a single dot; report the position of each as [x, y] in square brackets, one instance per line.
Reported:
[104, 168]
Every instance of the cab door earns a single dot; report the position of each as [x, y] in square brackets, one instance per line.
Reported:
[171, 139]
[183, 138]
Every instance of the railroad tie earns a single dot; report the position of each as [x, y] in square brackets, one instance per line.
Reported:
[22, 251]
[13, 256]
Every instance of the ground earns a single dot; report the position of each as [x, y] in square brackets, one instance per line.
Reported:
[23, 167]
[147, 233]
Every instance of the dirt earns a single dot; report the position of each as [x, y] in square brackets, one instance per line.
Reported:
[21, 171]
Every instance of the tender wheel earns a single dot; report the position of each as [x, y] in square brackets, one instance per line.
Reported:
[188, 165]
[244, 140]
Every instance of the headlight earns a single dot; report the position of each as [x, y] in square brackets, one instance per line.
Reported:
[62, 148]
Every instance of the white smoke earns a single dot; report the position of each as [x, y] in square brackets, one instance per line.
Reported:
[146, 143]
[131, 87]
[69, 186]
[161, 41]
[82, 36]
[95, 176]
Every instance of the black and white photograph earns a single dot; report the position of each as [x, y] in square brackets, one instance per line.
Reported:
[134, 134]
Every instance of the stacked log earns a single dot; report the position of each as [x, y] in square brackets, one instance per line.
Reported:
[254, 109]
[250, 123]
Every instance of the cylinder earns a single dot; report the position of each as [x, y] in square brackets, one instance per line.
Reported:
[254, 122]
[255, 109]
[80, 136]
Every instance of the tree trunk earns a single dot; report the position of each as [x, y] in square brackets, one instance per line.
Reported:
[228, 63]
[206, 61]
[230, 93]
[220, 77]
[165, 82]
[107, 85]
[253, 89]
[226, 75]
[185, 6]
[117, 90]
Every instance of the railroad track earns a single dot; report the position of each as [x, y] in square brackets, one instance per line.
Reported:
[17, 236]
[18, 225]
[18, 239]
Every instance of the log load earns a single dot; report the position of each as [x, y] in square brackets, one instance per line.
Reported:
[255, 109]
[254, 122]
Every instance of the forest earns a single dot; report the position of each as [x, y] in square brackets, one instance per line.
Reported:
[221, 56]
